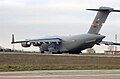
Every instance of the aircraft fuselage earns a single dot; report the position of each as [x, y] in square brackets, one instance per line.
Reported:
[80, 42]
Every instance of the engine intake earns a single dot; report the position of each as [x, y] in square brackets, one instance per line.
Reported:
[37, 44]
[26, 44]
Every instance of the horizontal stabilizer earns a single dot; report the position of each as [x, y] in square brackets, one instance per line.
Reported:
[116, 11]
[104, 9]
[109, 43]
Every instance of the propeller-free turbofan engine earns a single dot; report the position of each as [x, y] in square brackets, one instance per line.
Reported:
[37, 44]
[26, 44]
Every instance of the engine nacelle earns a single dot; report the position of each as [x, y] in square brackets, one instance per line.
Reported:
[37, 44]
[26, 44]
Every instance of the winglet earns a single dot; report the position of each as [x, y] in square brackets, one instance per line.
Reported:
[13, 39]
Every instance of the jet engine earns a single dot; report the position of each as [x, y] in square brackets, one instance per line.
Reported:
[37, 44]
[26, 44]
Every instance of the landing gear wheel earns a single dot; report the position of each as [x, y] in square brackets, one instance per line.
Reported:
[56, 52]
[77, 53]
[74, 52]
[59, 52]
[42, 52]
[53, 52]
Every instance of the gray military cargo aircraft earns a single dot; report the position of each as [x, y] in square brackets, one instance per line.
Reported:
[74, 44]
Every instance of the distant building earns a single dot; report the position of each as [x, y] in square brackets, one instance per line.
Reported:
[4, 49]
[112, 52]
[1, 49]
[112, 49]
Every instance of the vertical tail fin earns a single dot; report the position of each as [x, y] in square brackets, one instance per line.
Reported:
[100, 18]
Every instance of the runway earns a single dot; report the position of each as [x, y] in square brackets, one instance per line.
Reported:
[64, 54]
[62, 74]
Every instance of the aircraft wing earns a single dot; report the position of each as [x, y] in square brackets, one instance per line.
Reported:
[38, 41]
[109, 43]
[47, 40]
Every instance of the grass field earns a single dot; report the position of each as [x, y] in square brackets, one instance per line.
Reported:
[24, 62]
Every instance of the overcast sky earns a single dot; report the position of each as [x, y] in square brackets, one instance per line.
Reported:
[40, 18]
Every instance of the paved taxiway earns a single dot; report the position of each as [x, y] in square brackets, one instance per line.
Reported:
[62, 74]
